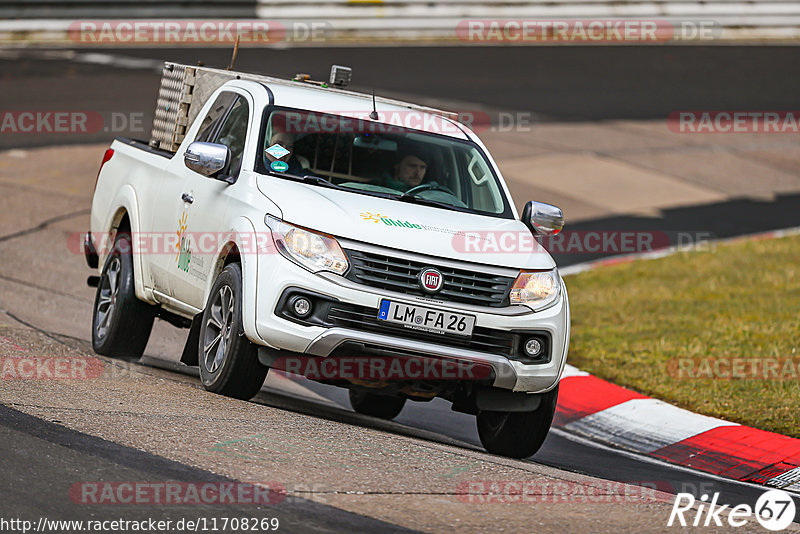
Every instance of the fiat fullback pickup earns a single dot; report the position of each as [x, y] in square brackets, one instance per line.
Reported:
[335, 236]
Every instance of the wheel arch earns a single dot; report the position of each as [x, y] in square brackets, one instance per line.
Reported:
[240, 246]
[125, 216]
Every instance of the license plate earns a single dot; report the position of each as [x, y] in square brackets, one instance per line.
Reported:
[426, 319]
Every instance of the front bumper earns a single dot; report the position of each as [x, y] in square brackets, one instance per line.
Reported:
[277, 274]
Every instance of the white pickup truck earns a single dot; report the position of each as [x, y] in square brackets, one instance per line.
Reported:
[350, 239]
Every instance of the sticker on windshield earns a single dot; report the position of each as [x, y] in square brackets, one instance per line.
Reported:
[276, 151]
[280, 166]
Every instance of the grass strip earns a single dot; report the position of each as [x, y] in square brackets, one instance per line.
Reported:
[715, 331]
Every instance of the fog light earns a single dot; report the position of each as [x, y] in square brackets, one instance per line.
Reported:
[301, 307]
[533, 347]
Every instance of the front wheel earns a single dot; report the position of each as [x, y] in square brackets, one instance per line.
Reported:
[375, 405]
[228, 360]
[517, 434]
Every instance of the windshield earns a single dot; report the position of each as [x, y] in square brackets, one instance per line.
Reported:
[369, 157]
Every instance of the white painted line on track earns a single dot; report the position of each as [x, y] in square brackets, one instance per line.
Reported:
[571, 370]
[93, 58]
[791, 478]
[119, 61]
[644, 425]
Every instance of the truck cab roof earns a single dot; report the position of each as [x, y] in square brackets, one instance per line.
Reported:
[298, 95]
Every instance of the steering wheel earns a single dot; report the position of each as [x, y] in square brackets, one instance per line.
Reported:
[433, 186]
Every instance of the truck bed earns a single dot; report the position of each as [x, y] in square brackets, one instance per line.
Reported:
[144, 145]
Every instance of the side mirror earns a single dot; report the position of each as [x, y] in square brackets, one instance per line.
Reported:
[543, 219]
[206, 158]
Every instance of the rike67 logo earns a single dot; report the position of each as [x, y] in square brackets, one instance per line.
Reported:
[774, 510]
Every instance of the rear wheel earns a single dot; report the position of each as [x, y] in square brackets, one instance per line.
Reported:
[228, 360]
[517, 434]
[121, 323]
[375, 405]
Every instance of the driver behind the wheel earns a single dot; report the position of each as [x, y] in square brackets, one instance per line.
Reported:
[408, 171]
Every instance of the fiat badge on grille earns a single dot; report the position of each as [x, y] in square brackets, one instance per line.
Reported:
[431, 280]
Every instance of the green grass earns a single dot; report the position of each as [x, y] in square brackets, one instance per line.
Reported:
[630, 322]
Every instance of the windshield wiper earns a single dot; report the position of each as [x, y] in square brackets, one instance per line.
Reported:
[413, 199]
[318, 180]
[311, 179]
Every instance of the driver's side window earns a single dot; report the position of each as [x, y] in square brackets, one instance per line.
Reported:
[226, 124]
[216, 114]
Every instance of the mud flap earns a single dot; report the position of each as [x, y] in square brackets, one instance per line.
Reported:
[504, 400]
[191, 349]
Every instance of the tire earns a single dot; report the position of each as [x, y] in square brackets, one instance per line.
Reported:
[121, 323]
[228, 360]
[375, 405]
[517, 434]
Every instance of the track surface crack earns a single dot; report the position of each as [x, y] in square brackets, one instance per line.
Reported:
[44, 224]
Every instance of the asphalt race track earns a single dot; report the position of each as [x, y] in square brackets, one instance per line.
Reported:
[51, 453]
[554, 83]
[51, 442]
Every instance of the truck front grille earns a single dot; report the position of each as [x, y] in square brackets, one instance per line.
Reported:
[399, 274]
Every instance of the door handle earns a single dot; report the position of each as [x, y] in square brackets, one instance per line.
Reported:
[187, 198]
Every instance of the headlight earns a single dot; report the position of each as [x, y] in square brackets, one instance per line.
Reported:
[537, 289]
[314, 251]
